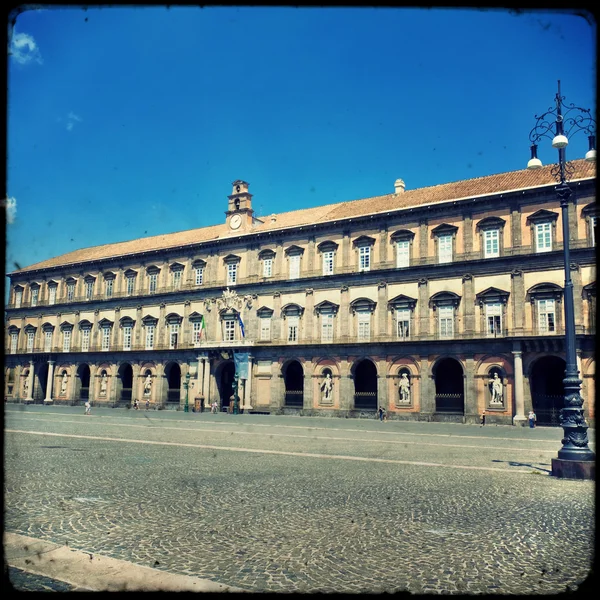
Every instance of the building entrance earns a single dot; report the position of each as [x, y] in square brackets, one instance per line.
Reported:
[547, 389]
[125, 377]
[293, 378]
[365, 385]
[173, 375]
[226, 384]
[449, 387]
[83, 381]
[42, 377]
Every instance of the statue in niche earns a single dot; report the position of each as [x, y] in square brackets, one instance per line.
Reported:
[26, 385]
[63, 385]
[404, 389]
[103, 383]
[327, 389]
[148, 385]
[496, 389]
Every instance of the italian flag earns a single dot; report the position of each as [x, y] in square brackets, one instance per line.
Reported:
[202, 327]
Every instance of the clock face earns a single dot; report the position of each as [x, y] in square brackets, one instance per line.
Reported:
[235, 221]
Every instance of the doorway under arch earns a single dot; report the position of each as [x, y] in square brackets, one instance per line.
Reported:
[225, 384]
[125, 380]
[547, 389]
[293, 378]
[42, 377]
[173, 375]
[449, 387]
[83, 383]
[365, 385]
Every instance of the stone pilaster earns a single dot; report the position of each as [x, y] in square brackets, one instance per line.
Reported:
[278, 266]
[161, 326]
[427, 400]
[423, 304]
[470, 384]
[515, 227]
[276, 322]
[344, 313]
[519, 418]
[185, 327]
[382, 309]
[346, 386]
[346, 251]
[517, 299]
[423, 239]
[383, 246]
[310, 255]
[50, 383]
[468, 304]
[30, 383]
[308, 385]
[309, 316]
[577, 297]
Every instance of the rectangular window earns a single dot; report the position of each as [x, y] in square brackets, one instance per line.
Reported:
[403, 323]
[326, 328]
[493, 317]
[48, 341]
[199, 275]
[229, 330]
[173, 335]
[593, 223]
[403, 254]
[52, 294]
[152, 282]
[30, 338]
[364, 258]
[66, 340]
[70, 291]
[232, 273]
[364, 326]
[105, 338]
[130, 285]
[176, 279]
[328, 263]
[445, 248]
[295, 266]
[14, 338]
[89, 290]
[109, 288]
[446, 317]
[491, 243]
[546, 316]
[267, 267]
[127, 329]
[34, 296]
[149, 337]
[196, 332]
[85, 339]
[265, 329]
[18, 298]
[543, 237]
[292, 329]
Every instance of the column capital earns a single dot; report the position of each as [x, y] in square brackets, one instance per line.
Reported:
[517, 352]
[51, 362]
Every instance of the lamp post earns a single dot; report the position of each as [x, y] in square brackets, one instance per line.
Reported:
[575, 460]
[186, 385]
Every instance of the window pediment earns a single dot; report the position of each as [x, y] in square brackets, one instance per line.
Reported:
[105, 323]
[152, 269]
[292, 310]
[590, 209]
[293, 250]
[266, 254]
[34, 285]
[444, 299]
[363, 240]
[173, 318]
[589, 290]
[362, 305]
[71, 280]
[543, 291]
[327, 246]
[109, 275]
[228, 313]
[130, 273]
[402, 235]
[126, 322]
[265, 312]
[490, 223]
[13, 329]
[52, 283]
[85, 324]
[30, 328]
[66, 325]
[47, 327]
[402, 301]
[231, 258]
[492, 294]
[444, 229]
[89, 279]
[149, 320]
[176, 266]
[199, 263]
[542, 216]
[195, 316]
[327, 307]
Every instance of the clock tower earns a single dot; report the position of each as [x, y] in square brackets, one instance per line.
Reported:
[239, 213]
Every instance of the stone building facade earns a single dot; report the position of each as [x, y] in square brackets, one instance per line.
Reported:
[436, 303]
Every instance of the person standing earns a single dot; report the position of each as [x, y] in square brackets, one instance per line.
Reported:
[147, 403]
[88, 408]
[381, 413]
[532, 419]
[482, 419]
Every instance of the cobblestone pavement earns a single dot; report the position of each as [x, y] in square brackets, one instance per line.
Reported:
[332, 505]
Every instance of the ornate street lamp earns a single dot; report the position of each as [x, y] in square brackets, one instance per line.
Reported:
[186, 385]
[575, 460]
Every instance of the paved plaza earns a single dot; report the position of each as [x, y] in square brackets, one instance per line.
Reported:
[290, 504]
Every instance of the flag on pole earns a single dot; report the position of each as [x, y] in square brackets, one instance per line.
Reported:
[202, 327]
[241, 324]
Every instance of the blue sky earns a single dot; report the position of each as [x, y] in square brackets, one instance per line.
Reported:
[127, 122]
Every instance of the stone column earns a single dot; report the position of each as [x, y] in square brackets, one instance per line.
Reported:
[427, 400]
[50, 382]
[308, 386]
[248, 393]
[136, 392]
[346, 386]
[200, 377]
[382, 387]
[206, 381]
[519, 418]
[30, 383]
[471, 411]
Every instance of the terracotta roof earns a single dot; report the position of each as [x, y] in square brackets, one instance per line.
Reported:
[470, 188]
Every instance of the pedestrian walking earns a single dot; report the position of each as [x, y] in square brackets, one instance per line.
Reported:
[532, 419]
[147, 404]
[135, 404]
[381, 413]
[213, 407]
[88, 408]
[482, 419]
